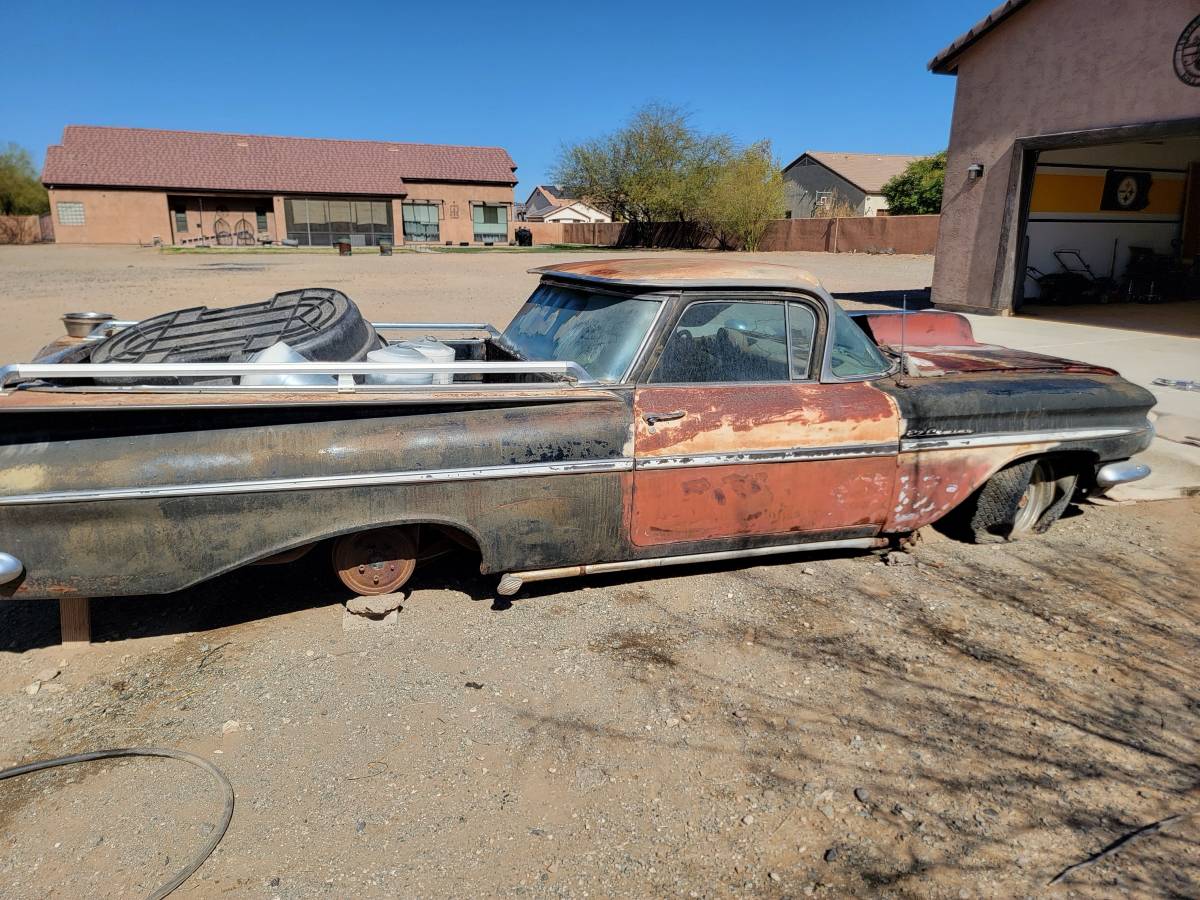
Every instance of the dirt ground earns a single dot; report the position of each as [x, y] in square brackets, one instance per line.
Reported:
[965, 724]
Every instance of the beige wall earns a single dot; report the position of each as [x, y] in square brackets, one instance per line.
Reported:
[112, 216]
[1042, 72]
[455, 222]
[133, 216]
[874, 204]
[203, 213]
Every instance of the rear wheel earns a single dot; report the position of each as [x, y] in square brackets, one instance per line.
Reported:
[1025, 498]
[373, 562]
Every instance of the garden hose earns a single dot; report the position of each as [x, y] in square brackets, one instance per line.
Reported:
[209, 846]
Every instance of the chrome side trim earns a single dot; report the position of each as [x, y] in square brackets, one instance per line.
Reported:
[908, 445]
[319, 482]
[10, 567]
[12, 374]
[1120, 473]
[795, 454]
[513, 581]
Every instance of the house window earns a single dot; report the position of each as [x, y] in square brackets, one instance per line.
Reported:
[421, 222]
[70, 213]
[318, 222]
[180, 215]
[490, 222]
[261, 220]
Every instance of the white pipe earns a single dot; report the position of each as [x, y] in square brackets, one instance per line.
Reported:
[513, 581]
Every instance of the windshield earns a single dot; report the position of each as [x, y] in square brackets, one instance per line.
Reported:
[601, 332]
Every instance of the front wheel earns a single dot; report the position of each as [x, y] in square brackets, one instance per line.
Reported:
[1025, 498]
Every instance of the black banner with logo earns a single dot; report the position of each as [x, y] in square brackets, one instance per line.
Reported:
[1125, 191]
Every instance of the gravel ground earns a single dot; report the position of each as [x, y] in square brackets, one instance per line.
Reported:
[964, 723]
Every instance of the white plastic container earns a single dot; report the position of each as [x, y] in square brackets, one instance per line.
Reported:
[399, 353]
[435, 351]
[280, 352]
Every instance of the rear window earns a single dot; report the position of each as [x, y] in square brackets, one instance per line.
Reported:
[601, 332]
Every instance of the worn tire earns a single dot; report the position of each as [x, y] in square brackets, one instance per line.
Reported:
[1000, 510]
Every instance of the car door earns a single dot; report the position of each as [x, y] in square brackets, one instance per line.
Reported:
[736, 434]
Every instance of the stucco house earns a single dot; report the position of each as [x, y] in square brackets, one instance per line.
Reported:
[133, 185]
[1057, 144]
[817, 180]
[547, 203]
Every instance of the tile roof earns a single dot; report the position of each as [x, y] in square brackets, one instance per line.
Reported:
[198, 160]
[552, 193]
[867, 171]
[945, 63]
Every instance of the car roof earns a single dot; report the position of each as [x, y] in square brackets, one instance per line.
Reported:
[674, 272]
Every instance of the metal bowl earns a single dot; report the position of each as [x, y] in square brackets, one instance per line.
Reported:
[81, 324]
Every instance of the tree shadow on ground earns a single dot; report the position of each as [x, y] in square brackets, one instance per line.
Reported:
[1014, 703]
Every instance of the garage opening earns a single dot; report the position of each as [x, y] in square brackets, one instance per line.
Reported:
[1111, 234]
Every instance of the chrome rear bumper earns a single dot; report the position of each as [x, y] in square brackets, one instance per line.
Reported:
[1124, 472]
[10, 567]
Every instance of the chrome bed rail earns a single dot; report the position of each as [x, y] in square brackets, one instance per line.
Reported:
[344, 372]
[436, 326]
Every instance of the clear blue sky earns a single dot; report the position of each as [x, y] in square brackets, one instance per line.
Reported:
[526, 76]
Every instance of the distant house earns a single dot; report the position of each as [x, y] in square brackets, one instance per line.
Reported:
[818, 180]
[547, 204]
[133, 185]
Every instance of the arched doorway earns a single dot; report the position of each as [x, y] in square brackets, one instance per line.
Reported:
[243, 234]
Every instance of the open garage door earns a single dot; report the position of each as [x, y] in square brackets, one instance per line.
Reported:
[1114, 224]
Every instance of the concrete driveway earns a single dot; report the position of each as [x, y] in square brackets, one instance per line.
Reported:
[1141, 357]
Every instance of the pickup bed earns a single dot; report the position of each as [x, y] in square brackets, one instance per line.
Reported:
[635, 413]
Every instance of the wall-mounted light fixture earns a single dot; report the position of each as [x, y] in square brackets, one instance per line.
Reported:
[975, 171]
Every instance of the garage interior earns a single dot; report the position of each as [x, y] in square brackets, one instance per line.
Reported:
[1111, 233]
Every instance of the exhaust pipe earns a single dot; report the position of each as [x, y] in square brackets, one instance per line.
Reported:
[514, 581]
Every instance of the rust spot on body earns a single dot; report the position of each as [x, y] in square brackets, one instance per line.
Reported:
[733, 418]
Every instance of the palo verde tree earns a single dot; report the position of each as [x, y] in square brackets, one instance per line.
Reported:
[656, 167]
[746, 193]
[918, 189]
[21, 193]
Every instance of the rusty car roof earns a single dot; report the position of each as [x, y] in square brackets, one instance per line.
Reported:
[689, 272]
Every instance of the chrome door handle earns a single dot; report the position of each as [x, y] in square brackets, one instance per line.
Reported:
[653, 418]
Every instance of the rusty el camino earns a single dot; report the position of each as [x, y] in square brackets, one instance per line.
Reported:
[635, 413]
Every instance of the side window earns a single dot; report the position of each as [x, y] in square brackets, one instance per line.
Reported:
[802, 326]
[718, 341]
[853, 354]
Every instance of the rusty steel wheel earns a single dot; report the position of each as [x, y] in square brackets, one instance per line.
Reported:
[375, 562]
